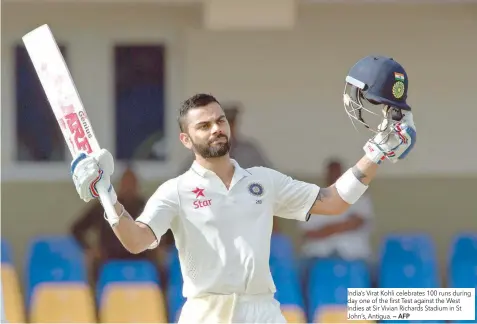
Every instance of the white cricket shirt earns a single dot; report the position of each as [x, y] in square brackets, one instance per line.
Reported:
[223, 236]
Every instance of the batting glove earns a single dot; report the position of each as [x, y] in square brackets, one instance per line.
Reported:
[393, 144]
[88, 171]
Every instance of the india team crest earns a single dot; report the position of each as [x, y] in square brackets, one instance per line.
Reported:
[398, 89]
[255, 189]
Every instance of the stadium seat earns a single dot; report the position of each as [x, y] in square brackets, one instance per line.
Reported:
[60, 293]
[407, 260]
[328, 284]
[289, 292]
[407, 275]
[175, 299]
[464, 275]
[6, 250]
[12, 296]
[293, 314]
[53, 258]
[409, 245]
[130, 291]
[133, 303]
[414, 274]
[125, 271]
[463, 248]
[55, 247]
[281, 247]
[62, 303]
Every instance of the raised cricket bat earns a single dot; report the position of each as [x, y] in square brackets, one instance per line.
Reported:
[64, 100]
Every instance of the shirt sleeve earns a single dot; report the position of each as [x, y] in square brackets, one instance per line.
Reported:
[161, 209]
[293, 199]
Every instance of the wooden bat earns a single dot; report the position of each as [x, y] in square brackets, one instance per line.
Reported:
[65, 101]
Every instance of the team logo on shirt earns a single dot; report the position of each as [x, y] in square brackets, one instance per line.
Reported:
[256, 189]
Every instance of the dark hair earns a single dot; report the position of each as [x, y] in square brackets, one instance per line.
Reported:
[196, 101]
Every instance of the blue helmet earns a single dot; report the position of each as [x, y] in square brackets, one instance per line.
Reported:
[377, 80]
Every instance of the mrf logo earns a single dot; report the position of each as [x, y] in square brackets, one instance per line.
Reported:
[76, 125]
[200, 203]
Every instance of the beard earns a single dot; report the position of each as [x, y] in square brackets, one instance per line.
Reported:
[210, 150]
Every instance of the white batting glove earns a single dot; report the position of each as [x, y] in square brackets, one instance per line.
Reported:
[90, 170]
[392, 144]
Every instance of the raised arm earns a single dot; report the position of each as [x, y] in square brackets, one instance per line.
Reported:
[135, 235]
[351, 186]
[392, 147]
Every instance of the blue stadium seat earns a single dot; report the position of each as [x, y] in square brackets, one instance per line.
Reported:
[413, 256]
[6, 250]
[463, 274]
[463, 247]
[414, 274]
[53, 259]
[62, 247]
[329, 281]
[289, 292]
[175, 299]
[406, 275]
[281, 246]
[404, 244]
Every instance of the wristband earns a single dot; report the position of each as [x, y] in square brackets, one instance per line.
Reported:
[349, 187]
[113, 222]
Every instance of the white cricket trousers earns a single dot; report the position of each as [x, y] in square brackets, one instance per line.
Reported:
[214, 309]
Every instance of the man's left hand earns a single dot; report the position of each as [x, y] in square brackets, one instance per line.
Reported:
[394, 144]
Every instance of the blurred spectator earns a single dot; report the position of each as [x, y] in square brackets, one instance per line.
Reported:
[345, 236]
[106, 245]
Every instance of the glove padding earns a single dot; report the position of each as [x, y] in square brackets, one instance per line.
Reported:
[394, 144]
[90, 170]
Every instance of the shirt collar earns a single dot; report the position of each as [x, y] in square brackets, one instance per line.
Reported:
[203, 172]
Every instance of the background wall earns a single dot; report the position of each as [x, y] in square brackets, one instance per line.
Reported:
[293, 78]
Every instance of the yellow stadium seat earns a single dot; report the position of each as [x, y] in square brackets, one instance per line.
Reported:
[133, 303]
[293, 314]
[12, 296]
[335, 314]
[62, 303]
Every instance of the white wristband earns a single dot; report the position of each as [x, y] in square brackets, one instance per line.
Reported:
[113, 222]
[349, 188]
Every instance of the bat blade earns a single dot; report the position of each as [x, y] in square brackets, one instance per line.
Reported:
[60, 90]
[65, 101]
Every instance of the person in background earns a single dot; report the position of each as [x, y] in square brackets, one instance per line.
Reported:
[345, 236]
[106, 246]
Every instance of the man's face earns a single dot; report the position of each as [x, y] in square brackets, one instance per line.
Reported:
[208, 131]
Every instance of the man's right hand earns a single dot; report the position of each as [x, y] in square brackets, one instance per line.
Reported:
[90, 170]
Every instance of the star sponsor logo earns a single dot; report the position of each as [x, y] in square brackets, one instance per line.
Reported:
[199, 192]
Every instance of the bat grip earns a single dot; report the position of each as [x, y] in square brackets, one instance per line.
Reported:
[108, 206]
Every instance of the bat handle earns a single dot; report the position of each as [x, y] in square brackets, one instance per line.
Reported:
[108, 206]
